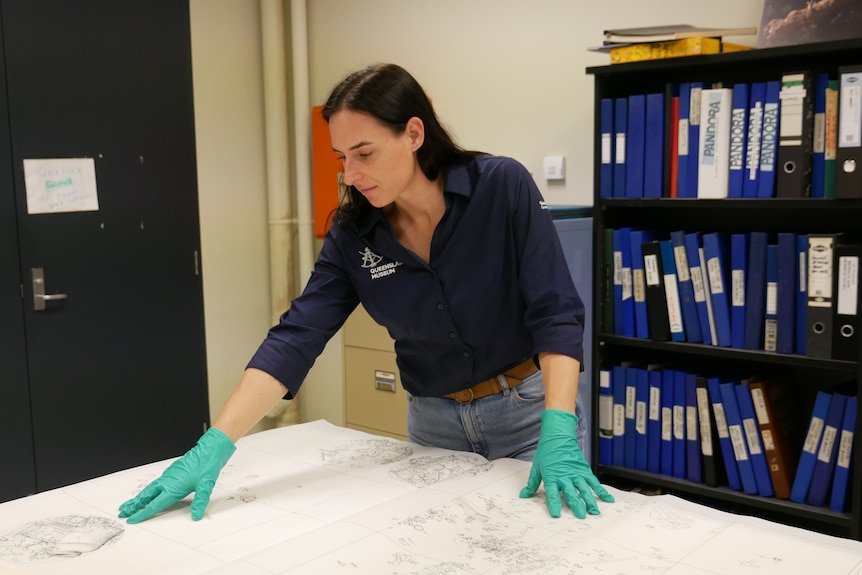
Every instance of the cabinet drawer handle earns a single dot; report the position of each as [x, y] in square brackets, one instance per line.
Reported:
[384, 380]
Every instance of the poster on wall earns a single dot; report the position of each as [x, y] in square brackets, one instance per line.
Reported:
[789, 22]
[60, 185]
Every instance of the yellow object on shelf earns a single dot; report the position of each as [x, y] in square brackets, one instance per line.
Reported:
[671, 49]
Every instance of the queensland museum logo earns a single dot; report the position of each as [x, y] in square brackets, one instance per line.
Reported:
[371, 261]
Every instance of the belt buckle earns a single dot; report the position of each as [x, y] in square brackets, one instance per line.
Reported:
[472, 397]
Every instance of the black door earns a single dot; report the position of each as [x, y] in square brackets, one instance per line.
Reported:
[16, 440]
[115, 355]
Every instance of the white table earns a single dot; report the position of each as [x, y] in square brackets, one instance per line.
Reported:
[320, 499]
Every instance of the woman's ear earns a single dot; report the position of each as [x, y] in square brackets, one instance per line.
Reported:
[415, 131]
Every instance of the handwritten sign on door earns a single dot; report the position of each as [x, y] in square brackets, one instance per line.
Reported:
[60, 185]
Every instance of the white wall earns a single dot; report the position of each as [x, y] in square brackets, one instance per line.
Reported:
[226, 61]
[507, 76]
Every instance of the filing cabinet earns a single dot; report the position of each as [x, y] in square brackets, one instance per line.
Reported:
[374, 400]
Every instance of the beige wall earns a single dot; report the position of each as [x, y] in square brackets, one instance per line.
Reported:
[226, 61]
[507, 76]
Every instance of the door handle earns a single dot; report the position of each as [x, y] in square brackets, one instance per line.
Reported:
[39, 295]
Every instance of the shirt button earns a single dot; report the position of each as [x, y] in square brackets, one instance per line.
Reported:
[452, 334]
[439, 306]
[466, 354]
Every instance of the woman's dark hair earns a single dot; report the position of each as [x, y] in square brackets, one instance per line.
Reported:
[390, 94]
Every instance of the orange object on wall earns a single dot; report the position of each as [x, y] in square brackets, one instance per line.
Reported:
[326, 168]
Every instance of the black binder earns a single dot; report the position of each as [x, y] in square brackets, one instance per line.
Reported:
[713, 466]
[821, 249]
[656, 299]
[796, 140]
[845, 332]
[848, 155]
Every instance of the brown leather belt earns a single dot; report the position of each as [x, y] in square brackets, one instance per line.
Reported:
[492, 386]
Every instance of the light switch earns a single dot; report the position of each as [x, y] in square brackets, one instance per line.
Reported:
[555, 167]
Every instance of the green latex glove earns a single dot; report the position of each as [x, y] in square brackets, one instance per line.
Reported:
[196, 471]
[561, 464]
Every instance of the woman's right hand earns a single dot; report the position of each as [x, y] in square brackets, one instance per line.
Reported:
[196, 471]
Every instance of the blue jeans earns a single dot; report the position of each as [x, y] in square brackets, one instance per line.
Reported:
[503, 425]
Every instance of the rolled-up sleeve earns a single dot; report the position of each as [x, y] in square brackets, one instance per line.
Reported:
[292, 346]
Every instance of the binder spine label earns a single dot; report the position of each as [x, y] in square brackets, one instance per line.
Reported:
[768, 137]
[627, 283]
[619, 420]
[720, 421]
[850, 112]
[682, 269]
[772, 298]
[770, 336]
[620, 148]
[738, 442]
[792, 96]
[848, 280]
[803, 273]
[825, 451]
[844, 449]
[752, 153]
[638, 285]
[678, 422]
[737, 287]
[703, 420]
[606, 406]
[690, 421]
[820, 272]
[651, 274]
[768, 442]
[815, 428]
[654, 404]
[710, 129]
[606, 416]
[752, 436]
[606, 149]
[694, 109]
[697, 284]
[759, 406]
[714, 268]
[674, 309]
[640, 417]
[737, 138]
[682, 137]
[819, 142]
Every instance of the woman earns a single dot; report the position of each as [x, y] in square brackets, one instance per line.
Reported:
[455, 253]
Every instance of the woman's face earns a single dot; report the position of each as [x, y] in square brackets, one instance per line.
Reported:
[378, 162]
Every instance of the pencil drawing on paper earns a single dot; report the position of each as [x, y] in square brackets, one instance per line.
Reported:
[425, 471]
[478, 540]
[366, 453]
[59, 537]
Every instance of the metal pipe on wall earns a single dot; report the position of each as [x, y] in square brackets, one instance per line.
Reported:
[281, 219]
[302, 149]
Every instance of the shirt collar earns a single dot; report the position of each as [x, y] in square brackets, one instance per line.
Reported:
[456, 181]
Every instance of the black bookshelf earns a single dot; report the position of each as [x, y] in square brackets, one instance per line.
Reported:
[805, 215]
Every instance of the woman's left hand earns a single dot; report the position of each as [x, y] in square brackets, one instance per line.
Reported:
[561, 465]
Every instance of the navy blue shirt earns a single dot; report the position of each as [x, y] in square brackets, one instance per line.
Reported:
[495, 292]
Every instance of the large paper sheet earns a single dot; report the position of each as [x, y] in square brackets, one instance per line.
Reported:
[316, 498]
